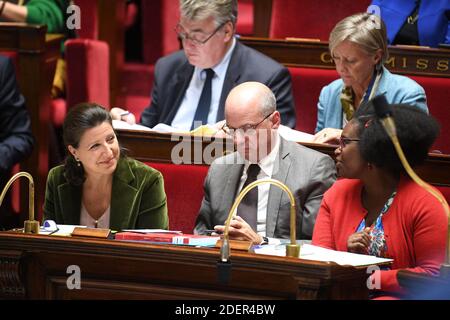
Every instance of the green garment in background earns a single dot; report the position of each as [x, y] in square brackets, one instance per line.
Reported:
[47, 12]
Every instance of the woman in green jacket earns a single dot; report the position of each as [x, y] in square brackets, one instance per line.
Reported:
[98, 186]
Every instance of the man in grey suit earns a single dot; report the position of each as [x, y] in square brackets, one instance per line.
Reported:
[252, 120]
[207, 31]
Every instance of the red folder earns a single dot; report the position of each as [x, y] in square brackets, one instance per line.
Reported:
[186, 239]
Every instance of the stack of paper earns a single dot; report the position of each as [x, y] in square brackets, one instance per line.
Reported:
[294, 135]
[205, 130]
[311, 252]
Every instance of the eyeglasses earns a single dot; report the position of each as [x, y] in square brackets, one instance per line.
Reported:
[245, 129]
[345, 141]
[196, 37]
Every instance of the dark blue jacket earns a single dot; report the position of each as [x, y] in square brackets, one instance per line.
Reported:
[433, 23]
[16, 140]
[173, 74]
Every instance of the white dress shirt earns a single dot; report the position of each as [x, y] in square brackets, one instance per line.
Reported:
[185, 114]
[266, 164]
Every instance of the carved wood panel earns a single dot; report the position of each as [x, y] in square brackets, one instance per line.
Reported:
[11, 276]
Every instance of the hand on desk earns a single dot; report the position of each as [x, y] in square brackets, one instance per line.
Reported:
[240, 230]
[328, 135]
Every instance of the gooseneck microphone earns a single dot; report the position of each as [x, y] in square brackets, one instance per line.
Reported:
[292, 249]
[383, 111]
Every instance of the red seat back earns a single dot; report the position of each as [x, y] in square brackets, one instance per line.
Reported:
[308, 82]
[309, 18]
[438, 100]
[244, 26]
[184, 189]
[87, 71]
[306, 86]
[89, 21]
[159, 18]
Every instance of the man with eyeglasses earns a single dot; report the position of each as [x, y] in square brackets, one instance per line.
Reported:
[192, 84]
[252, 121]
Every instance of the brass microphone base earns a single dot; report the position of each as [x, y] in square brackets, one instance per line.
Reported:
[293, 250]
[31, 226]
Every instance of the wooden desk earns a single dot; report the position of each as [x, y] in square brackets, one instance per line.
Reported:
[158, 147]
[410, 61]
[35, 267]
[37, 56]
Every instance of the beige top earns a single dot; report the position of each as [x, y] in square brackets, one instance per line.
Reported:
[88, 221]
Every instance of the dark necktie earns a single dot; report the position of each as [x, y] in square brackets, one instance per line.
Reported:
[201, 114]
[248, 208]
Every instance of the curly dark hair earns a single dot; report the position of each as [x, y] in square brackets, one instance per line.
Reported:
[80, 118]
[416, 131]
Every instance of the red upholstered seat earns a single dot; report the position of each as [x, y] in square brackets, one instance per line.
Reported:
[184, 189]
[87, 76]
[137, 79]
[438, 95]
[309, 18]
[308, 82]
[306, 85]
[87, 66]
[131, 14]
[244, 26]
[159, 18]
[89, 24]
[87, 71]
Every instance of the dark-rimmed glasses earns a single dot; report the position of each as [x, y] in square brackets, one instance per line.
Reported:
[345, 141]
[196, 37]
[244, 129]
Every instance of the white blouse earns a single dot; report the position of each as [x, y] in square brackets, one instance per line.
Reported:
[87, 220]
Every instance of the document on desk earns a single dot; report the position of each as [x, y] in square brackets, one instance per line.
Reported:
[315, 253]
[205, 130]
[294, 135]
[117, 124]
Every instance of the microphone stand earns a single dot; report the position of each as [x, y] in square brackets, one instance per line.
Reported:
[30, 225]
[292, 249]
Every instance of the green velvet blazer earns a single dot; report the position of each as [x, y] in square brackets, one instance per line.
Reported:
[138, 200]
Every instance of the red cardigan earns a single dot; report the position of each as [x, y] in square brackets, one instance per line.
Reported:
[415, 227]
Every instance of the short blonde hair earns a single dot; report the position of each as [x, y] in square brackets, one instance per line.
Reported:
[364, 29]
[221, 10]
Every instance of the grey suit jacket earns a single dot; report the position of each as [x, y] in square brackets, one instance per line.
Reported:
[173, 74]
[306, 172]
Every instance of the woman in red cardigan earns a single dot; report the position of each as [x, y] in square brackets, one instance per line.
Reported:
[376, 208]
